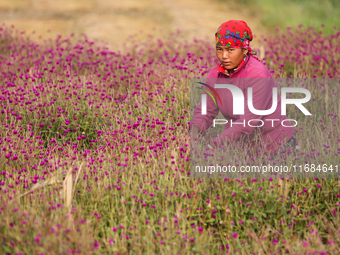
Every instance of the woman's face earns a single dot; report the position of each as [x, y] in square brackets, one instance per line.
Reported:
[230, 57]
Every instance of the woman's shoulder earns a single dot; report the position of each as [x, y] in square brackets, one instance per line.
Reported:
[213, 72]
[256, 69]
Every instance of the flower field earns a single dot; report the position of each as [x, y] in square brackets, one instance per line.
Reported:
[95, 152]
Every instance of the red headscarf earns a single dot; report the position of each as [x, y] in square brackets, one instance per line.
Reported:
[236, 34]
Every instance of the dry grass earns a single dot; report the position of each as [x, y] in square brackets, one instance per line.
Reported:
[68, 188]
[115, 21]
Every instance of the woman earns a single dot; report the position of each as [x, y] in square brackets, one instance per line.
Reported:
[237, 60]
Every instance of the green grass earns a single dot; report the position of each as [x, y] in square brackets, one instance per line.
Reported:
[274, 14]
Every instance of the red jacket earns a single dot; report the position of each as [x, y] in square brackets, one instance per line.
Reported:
[257, 76]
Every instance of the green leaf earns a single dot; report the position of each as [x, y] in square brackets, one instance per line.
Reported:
[210, 220]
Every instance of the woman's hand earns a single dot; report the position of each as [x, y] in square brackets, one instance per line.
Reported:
[194, 132]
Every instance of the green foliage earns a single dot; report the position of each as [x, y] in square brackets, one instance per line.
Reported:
[82, 122]
[291, 13]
